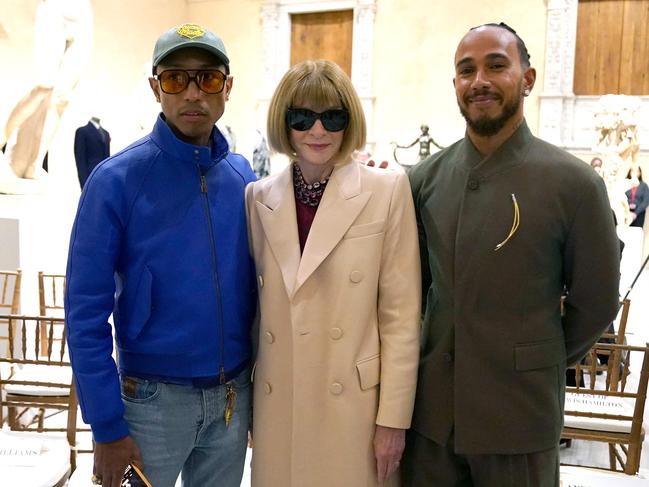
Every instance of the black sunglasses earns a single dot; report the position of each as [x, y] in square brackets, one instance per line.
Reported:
[302, 119]
[174, 81]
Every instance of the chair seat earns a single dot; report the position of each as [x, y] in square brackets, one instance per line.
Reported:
[41, 373]
[33, 459]
[599, 404]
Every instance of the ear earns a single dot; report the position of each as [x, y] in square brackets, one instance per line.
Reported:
[453, 82]
[228, 87]
[529, 78]
[153, 83]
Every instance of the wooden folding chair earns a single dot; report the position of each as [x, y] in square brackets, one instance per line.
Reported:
[40, 382]
[51, 293]
[609, 407]
[9, 299]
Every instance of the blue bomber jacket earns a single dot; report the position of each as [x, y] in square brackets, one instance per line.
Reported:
[160, 241]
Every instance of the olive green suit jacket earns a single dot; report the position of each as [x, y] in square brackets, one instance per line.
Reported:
[495, 346]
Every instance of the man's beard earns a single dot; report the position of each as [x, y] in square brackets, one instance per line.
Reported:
[486, 126]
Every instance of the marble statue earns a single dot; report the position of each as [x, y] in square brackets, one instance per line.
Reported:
[62, 44]
[617, 147]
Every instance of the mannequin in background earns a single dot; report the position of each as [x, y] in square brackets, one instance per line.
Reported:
[91, 146]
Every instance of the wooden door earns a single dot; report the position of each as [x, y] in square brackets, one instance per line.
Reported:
[323, 35]
[612, 52]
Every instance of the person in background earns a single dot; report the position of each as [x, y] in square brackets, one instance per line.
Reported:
[596, 164]
[507, 222]
[335, 247]
[160, 241]
[637, 196]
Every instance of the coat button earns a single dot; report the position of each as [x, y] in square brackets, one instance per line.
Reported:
[267, 388]
[335, 333]
[336, 388]
[260, 278]
[356, 276]
[448, 358]
[473, 184]
[270, 338]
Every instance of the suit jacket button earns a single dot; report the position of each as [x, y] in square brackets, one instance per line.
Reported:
[270, 338]
[335, 333]
[336, 388]
[260, 278]
[356, 276]
[267, 388]
[448, 358]
[473, 184]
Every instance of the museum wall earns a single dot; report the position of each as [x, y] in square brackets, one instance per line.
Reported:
[413, 65]
[413, 50]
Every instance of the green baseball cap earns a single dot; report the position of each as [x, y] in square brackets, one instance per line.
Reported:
[189, 35]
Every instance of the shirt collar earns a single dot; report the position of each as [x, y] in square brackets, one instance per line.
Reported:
[164, 137]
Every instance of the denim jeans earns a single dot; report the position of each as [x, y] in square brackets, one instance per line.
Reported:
[180, 428]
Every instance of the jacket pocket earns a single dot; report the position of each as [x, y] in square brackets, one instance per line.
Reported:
[369, 371]
[365, 229]
[140, 308]
[540, 354]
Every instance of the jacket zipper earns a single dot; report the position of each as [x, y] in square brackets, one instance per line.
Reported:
[215, 274]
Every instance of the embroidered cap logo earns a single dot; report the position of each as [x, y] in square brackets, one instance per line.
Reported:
[190, 31]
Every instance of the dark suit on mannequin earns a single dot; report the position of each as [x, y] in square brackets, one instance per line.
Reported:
[91, 146]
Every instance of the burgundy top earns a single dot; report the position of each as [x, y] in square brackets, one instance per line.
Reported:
[305, 215]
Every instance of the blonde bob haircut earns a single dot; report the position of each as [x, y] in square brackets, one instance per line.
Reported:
[319, 85]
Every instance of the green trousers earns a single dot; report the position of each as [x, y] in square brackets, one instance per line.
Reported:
[427, 464]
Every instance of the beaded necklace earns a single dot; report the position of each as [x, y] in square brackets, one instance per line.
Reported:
[307, 194]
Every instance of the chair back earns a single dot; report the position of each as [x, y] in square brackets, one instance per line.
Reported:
[609, 406]
[618, 333]
[37, 376]
[9, 301]
[51, 293]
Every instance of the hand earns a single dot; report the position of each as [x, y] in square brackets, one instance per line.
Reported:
[383, 164]
[112, 458]
[388, 448]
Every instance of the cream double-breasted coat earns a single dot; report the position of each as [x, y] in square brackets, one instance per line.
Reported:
[339, 326]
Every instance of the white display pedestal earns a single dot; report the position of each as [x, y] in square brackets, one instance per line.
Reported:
[10, 254]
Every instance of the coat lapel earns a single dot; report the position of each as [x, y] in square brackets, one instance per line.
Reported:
[341, 204]
[277, 215]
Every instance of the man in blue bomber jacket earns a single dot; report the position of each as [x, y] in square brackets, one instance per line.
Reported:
[160, 241]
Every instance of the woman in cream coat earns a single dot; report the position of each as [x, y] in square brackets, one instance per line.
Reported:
[335, 245]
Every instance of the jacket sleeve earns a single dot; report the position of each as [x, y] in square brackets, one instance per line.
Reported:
[96, 238]
[250, 214]
[399, 308]
[426, 278]
[591, 272]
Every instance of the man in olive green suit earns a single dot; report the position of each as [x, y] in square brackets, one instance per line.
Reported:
[507, 224]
